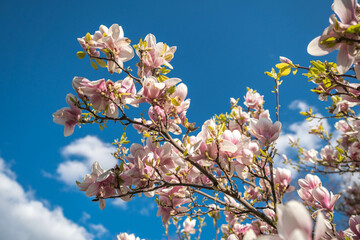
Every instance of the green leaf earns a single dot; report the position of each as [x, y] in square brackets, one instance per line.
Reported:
[80, 54]
[282, 65]
[353, 29]
[88, 37]
[101, 63]
[285, 71]
[94, 65]
[175, 102]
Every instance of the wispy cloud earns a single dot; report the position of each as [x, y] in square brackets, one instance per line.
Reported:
[24, 217]
[300, 130]
[80, 155]
[119, 203]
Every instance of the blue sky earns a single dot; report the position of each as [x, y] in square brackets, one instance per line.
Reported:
[223, 47]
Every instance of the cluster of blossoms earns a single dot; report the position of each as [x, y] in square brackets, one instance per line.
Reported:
[227, 167]
[315, 195]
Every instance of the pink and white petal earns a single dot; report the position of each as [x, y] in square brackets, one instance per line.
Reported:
[171, 82]
[357, 70]
[315, 48]
[299, 235]
[228, 146]
[344, 60]
[92, 190]
[293, 216]
[267, 237]
[181, 91]
[69, 128]
[345, 9]
[114, 31]
[150, 40]
[126, 53]
[320, 227]
[103, 29]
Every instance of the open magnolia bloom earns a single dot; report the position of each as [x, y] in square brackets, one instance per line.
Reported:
[264, 130]
[335, 35]
[68, 116]
[295, 223]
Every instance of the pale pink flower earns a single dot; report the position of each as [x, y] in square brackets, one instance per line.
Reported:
[327, 200]
[343, 106]
[179, 96]
[354, 223]
[189, 226]
[264, 130]
[295, 223]
[153, 89]
[307, 185]
[112, 42]
[253, 99]
[354, 151]
[100, 95]
[154, 55]
[99, 183]
[170, 199]
[283, 179]
[68, 116]
[310, 182]
[328, 154]
[264, 114]
[285, 60]
[157, 114]
[342, 126]
[117, 45]
[310, 155]
[346, 11]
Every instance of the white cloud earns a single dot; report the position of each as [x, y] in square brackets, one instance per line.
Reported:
[300, 130]
[99, 229]
[118, 202]
[145, 211]
[23, 217]
[80, 155]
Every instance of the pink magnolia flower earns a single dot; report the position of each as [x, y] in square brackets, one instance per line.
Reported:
[157, 114]
[99, 183]
[343, 106]
[295, 223]
[116, 44]
[328, 154]
[253, 99]
[354, 151]
[342, 126]
[112, 42]
[189, 226]
[154, 55]
[170, 199]
[310, 182]
[283, 179]
[153, 89]
[307, 185]
[328, 41]
[327, 200]
[264, 130]
[310, 155]
[241, 117]
[285, 60]
[354, 223]
[69, 117]
[179, 96]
